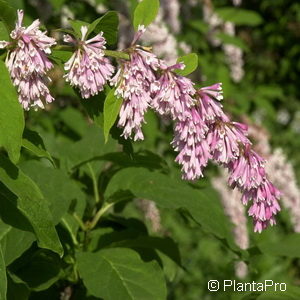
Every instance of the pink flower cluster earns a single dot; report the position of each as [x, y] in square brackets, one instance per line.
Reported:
[135, 84]
[28, 63]
[88, 69]
[202, 131]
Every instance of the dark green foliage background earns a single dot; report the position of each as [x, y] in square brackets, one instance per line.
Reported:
[62, 168]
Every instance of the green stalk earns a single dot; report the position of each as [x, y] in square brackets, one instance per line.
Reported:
[98, 215]
[117, 54]
[80, 222]
[95, 183]
[111, 53]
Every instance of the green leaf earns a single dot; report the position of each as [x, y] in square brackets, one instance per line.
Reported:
[270, 91]
[11, 116]
[144, 159]
[57, 4]
[108, 24]
[94, 108]
[203, 205]
[31, 204]
[61, 55]
[16, 291]
[191, 63]
[145, 13]
[291, 293]
[76, 26]
[48, 180]
[75, 154]
[69, 221]
[16, 4]
[33, 142]
[232, 40]
[164, 245]
[111, 111]
[120, 274]
[7, 15]
[3, 279]
[288, 246]
[4, 36]
[239, 16]
[75, 120]
[14, 242]
[39, 270]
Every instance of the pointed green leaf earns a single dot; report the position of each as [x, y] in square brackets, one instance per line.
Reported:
[7, 15]
[232, 40]
[39, 269]
[4, 36]
[76, 26]
[239, 16]
[121, 274]
[3, 279]
[57, 4]
[292, 293]
[14, 242]
[190, 62]
[145, 13]
[94, 107]
[16, 291]
[288, 246]
[112, 107]
[108, 24]
[31, 204]
[59, 200]
[11, 116]
[33, 142]
[61, 56]
[203, 205]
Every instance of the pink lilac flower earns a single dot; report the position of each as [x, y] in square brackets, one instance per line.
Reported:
[209, 102]
[189, 141]
[33, 89]
[225, 139]
[28, 63]
[88, 69]
[264, 205]
[248, 171]
[174, 95]
[193, 113]
[134, 83]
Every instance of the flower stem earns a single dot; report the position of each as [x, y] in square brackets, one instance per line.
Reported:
[117, 54]
[98, 215]
[95, 183]
[63, 48]
[111, 53]
[79, 221]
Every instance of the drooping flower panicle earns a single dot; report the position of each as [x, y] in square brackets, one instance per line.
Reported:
[203, 132]
[135, 84]
[28, 63]
[88, 69]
